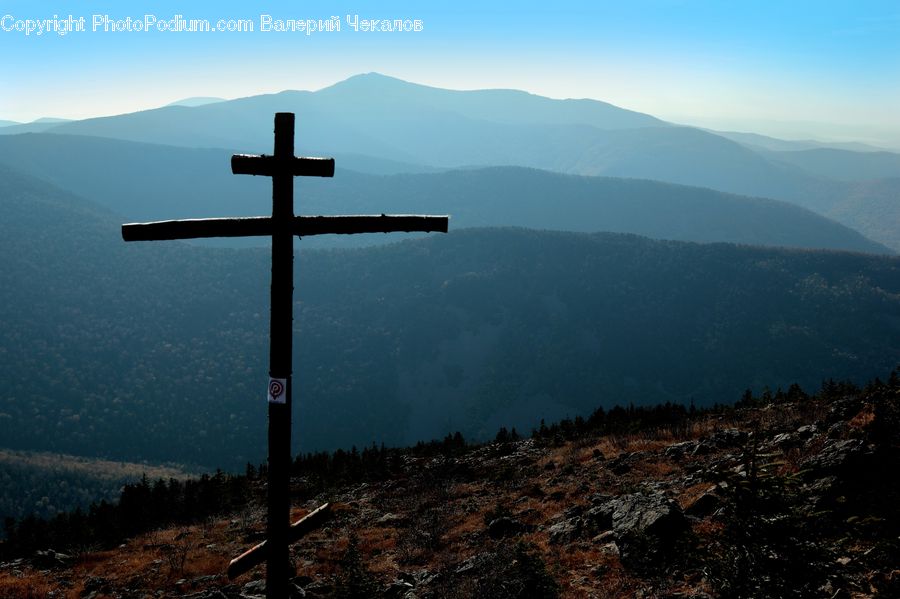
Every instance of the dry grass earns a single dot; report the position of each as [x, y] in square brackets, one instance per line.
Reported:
[794, 457]
[376, 542]
[158, 559]
[586, 570]
[713, 424]
[30, 585]
[655, 469]
[466, 490]
[708, 528]
[328, 555]
[455, 511]
[689, 495]
[864, 418]
[610, 587]
[640, 442]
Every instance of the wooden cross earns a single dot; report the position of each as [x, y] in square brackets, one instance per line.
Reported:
[283, 166]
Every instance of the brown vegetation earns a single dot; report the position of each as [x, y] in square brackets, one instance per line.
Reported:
[527, 518]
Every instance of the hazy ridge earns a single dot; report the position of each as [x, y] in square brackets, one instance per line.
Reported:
[149, 351]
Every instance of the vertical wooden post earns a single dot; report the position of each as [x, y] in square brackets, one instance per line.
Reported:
[283, 166]
[280, 329]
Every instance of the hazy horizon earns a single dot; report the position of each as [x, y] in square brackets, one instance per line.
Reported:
[788, 130]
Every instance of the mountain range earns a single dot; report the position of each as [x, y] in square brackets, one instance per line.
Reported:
[144, 181]
[407, 124]
[626, 306]
[149, 351]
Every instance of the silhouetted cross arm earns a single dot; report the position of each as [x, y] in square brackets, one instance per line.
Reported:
[269, 166]
[302, 226]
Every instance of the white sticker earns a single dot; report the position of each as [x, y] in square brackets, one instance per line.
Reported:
[277, 390]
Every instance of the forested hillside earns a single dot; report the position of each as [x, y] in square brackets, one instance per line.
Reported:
[45, 485]
[158, 351]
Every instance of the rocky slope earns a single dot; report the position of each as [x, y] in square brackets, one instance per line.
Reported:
[783, 496]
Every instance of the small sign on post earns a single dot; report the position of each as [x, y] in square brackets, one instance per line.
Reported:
[282, 226]
[277, 389]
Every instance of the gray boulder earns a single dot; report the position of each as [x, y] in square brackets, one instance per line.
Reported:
[647, 527]
[835, 456]
[566, 531]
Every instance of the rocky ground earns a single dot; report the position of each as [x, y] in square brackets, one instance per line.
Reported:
[785, 499]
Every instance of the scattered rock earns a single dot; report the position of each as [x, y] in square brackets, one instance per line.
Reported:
[677, 451]
[424, 577]
[836, 455]
[843, 409]
[473, 563]
[296, 592]
[203, 580]
[647, 527]
[565, 531]
[48, 559]
[620, 465]
[784, 441]
[254, 588]
[94, 585]
[573, 510]
[729, 437]
[504, 527]
[703, 448]
[391, 519]
[208, 594]
[837, 430]
[818, 494]
[705, 505]
[598, 519]
[319, 588]
[806, 432]
[16, 563]
[605, 537]
[397, 589]
[600, 498]
[653, 513]
[844, 492]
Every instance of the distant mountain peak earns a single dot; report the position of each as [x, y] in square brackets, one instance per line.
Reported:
[196, 101]
[502, 105]
[371, 79]
[375, 76]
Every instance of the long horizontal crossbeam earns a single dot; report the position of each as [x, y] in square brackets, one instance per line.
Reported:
[302, 226]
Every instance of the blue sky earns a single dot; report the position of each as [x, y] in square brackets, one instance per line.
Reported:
[797, 69]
